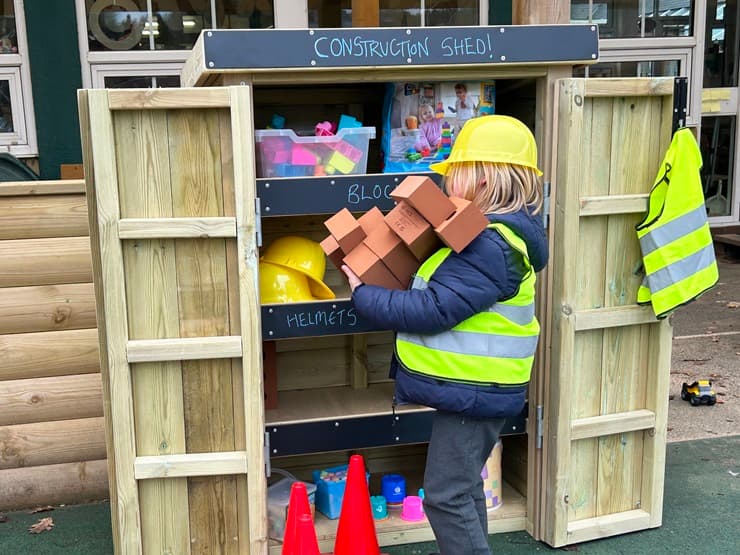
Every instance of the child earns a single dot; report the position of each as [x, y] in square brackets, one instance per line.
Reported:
[431, 128]
[466, 332]
[464, 106]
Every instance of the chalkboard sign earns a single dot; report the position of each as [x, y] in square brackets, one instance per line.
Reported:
[312, 319]
[361, 47]
[286, 196]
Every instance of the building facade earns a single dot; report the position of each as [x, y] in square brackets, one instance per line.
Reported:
[50, 49]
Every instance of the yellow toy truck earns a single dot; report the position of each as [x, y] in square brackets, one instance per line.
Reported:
[698, 392]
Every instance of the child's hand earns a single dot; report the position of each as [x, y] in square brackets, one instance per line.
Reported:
[354, 281]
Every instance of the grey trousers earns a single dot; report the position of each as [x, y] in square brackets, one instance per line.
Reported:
[453, 488]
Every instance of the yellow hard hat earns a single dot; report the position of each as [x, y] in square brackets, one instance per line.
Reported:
[279, 284]
[303, 255]
[492, 139]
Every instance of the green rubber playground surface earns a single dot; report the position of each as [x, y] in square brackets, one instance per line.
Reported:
[702, 496]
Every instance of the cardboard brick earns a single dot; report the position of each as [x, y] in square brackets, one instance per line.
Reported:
[345, 229]
[333, 251]
[426, 197]
[463, 226]
[371, 219]
[413, 230]
[393, 252]
[370, 268]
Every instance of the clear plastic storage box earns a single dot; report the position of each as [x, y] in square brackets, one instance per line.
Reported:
[282, 153]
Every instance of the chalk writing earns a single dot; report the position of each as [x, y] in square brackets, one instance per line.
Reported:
[358, 192]
[341, 47]
[316, 318]
[467, 46]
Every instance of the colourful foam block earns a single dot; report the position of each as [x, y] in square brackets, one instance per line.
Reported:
[340, 163]
[301, 156]
[348, 122]
[349, 151]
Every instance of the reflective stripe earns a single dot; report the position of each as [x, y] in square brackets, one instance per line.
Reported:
[522, 315]
[673, 230]
[681, 269]
[477, 344]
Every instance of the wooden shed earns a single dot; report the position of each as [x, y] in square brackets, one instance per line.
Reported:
[207, 389]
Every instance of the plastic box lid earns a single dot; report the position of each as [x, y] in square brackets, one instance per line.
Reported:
[261, 134]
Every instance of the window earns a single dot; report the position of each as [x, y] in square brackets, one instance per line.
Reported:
[402, 13]
[718, 151]
[721, 44]
[144, 43]
[636, 18]
[17, 124]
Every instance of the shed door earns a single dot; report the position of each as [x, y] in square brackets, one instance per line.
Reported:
[171, 196]
[608, 384]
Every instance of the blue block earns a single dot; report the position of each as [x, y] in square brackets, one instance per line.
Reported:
[347, 122]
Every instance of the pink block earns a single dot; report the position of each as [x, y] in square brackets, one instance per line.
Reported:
[323, 129]
[349, 151]
[301, 156]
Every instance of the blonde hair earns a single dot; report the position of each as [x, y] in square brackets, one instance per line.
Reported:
[494, 187]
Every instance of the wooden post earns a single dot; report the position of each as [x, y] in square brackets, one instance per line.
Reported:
[531, 12]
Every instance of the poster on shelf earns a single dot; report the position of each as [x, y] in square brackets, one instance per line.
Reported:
[421, 120]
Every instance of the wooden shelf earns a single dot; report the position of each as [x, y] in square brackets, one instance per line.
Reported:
[338, 418]
[509, 517]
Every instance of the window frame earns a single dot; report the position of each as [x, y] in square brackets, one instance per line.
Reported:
[22, 142]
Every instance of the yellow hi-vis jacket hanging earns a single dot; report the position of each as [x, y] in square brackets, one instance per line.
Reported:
[675, 240]
[496, 346]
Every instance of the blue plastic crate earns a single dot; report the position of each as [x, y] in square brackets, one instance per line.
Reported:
[329, 494]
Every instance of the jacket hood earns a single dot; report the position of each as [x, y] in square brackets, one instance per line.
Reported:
[530, 228]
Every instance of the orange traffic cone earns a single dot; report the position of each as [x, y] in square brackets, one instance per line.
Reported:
[307, 541]
[356, 530]
[297, 534]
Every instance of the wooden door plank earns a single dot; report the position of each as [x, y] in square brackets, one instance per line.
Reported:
[203, 308]
[145, 191]
[160, 99]
[114, 301]
[237, 377]
[584, 398]
[171, 228]
[191, 464]
[242, 126]
[613, 204]
[609, 424]
[608, 525]
[186, 348]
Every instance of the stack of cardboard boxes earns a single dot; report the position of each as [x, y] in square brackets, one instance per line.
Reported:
[387, 250]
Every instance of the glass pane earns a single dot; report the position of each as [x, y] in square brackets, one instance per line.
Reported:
[176, 25]
[721, 44]
[397, 13]
[6, 110]
[644, 68]
[245, 14]
[718, 153]
[117, 25]
[8, 38]
[625, 18]
[141, 82]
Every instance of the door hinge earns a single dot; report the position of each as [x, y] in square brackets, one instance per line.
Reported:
[546, 204]
[268, 468]
[258, 220]
[540, 426]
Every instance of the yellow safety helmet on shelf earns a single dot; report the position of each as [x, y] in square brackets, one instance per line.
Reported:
[492, 139]
[279, 284]
[304, 256]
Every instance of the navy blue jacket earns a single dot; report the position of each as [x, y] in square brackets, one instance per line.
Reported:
[486, 271]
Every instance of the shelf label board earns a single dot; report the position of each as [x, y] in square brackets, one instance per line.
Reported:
[397, 46]
[312, 319]
[328, 195]
[338, 434]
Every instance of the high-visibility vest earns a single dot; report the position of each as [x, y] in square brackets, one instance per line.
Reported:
[495, 346]
[675, 240]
